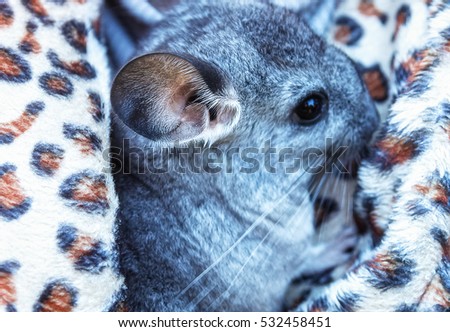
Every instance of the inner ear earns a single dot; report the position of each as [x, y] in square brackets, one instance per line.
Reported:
[166, 98]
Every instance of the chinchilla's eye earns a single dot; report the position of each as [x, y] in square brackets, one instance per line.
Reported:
[311, 108]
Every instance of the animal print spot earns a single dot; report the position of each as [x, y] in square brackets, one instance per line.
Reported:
[29, 44]
[96, 106]
[13, 68]
[6, 15]
[376, 82]
[409, 71]
[347, 302]
[78, 68]
[56, 84]
[446, 34]
[11, 130]
[391, 269]
[437, 191]
[8, 295]
[392, 150]
[87, 192]
[86, 253]
[406, 308]
[368, 8]
[86, 139]
[444, 274]
[402, 18]
[368, 204]
[58, 296]
[46, 159]
[75, 33]
[348, 31]
[13, 201]
[37, 9]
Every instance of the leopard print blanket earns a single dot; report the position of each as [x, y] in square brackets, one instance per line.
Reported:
[57, 201]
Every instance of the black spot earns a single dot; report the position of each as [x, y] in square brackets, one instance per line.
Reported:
[6, 15]
[402, 18]
[35, 108]
[96, 106]
[9, 267]
[444, 273]
[75, 33]
[87, 139]
[347, 301]
[80, 68]
[66, 236]
[94, 261]
[86, 191]
[439, 235]
[348, 31]
[406, 308]
[57, 296]
[31, 26]
[446, 33]
[46, 158]
[440, 308]
[38, 10]
[416, 208]
[390, 270]
[56, 84]
[11, 308]
[422, 84]
[87, 254]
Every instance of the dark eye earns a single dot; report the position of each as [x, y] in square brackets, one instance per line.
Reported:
[310, 109]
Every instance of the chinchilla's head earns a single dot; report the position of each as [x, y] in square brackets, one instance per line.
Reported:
[242, 74]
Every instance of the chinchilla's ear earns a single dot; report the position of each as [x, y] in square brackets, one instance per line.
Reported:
[319, 14]
[167, 98]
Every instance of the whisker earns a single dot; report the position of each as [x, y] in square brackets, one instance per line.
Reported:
[257, 222]
[218, 300]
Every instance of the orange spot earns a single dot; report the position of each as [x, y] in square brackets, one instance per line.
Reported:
[417, 64]
[31, 40]
[436, 192]
[8, 66]
[5, 20]
[82, 246]
[342, 34]
[397, 150]
[50, 161]
[57, 84]
[374, 82]
[11, 194]
[37, 7]
[367, 8]
[88, 191]
[59, 300]
[7, 289]
[19, 126]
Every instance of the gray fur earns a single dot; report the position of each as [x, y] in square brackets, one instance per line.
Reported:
[174, 226]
